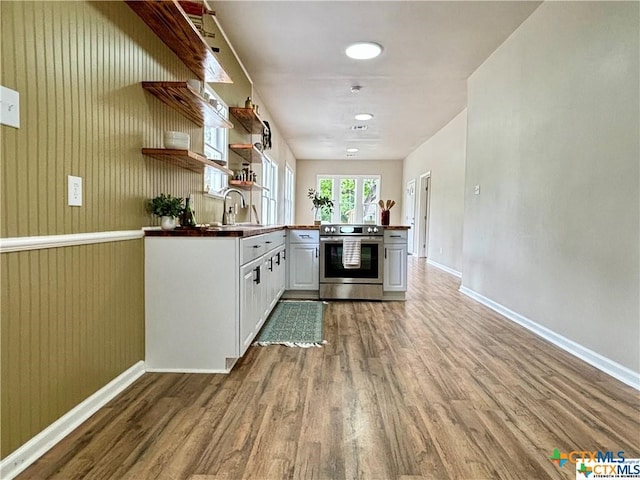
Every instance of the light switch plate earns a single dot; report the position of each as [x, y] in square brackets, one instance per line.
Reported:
[9, 107]
[477, 190]
[74, 189]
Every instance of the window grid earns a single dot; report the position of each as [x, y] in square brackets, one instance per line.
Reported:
[355, 197]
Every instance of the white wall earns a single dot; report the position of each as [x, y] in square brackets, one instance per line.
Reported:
[390, 172]
[444, 156]
[553, 143]
[279, 153]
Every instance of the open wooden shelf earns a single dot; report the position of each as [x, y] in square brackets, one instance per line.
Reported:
[184, 158]
[245, 185]
[171, 24]
[248, 152]
[181, 97]
[248, 119]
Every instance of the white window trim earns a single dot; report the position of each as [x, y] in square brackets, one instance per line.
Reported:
[224, 148]
[335, 216]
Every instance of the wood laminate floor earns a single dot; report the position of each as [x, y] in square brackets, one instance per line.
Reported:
[435, 387]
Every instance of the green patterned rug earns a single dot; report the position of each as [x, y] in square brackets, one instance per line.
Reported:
[294, 324]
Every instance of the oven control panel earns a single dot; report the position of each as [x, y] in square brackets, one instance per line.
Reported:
[351, 230]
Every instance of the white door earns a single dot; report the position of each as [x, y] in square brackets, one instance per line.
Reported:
[422, 226]
[410, 217]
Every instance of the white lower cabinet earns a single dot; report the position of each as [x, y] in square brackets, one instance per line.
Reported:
[304, 270]
[206, 298]
[395, 264]
[304, 260]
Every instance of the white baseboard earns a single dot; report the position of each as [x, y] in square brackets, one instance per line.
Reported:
[453, 272]
[28, 453]
[608, 366]
[188, 370]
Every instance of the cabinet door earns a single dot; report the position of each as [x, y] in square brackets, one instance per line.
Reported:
[395, 268]
[250, 302]
[268, 287]
[304, 266]
[282, 272]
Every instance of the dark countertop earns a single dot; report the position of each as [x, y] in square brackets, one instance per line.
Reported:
[239, 230]
[226, 231]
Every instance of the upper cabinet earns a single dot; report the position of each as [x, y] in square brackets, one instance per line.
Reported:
[171, 24]
[248, 118]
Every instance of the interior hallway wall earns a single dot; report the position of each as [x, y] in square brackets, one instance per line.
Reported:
[553, 143]
[444, 156]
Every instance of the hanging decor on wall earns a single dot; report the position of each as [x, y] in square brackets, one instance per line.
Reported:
[266, 136]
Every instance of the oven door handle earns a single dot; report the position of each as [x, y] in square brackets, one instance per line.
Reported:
[340, 239]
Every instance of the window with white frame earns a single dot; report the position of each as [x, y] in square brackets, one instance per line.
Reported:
[288, 196]
[355, 197]
[270, 192]
[215, 148]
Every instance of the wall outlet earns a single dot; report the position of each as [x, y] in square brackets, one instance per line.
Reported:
[476, 190]
[9, 107]
[74, 191]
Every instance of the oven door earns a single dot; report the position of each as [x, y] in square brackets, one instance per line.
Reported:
[371, 261]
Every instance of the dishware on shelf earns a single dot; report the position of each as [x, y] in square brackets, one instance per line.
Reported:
[195, 85]
[176, 140]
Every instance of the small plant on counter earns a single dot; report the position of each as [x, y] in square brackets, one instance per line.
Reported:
[320, 203]
[168, 208]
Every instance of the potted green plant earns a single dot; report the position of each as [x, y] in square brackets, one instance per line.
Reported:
[167, 207]
[320, 203]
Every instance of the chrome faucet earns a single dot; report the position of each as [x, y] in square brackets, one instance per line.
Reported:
[225, 194]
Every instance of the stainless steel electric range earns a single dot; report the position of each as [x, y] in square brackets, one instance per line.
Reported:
[354, 282]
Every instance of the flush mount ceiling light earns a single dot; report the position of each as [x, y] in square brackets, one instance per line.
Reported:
[352, 150]
[363, 50]
[364, 116]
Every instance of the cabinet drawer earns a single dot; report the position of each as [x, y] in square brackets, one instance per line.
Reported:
[304, 236]
[275, 239]
[395, 236]
[251, 248]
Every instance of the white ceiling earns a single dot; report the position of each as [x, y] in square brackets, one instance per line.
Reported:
[294, 53]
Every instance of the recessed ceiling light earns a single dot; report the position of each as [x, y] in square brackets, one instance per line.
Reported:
[363, 50]
[352, 150]
[356, 89]
[364, 116]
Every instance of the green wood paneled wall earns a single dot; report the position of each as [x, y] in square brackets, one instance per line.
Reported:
[73, 318]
